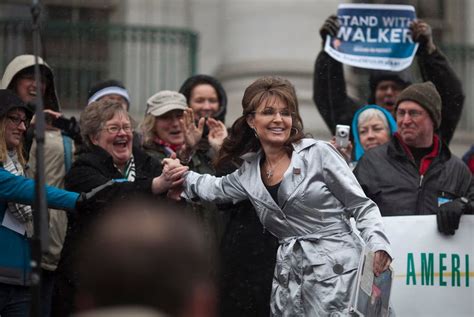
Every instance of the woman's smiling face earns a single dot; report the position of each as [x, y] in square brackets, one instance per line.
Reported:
[116, 138]
[272, 121]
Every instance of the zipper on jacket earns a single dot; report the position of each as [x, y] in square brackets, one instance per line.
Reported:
[419, 196]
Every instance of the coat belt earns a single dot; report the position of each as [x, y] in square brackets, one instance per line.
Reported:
[288, 244]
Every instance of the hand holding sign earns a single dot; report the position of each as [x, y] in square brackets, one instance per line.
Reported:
[330, 27]
[421, 33]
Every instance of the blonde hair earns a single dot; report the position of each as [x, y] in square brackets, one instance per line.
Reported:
[3, 145]
[147, 128]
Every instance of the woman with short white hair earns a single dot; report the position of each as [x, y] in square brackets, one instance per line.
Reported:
[371, 126]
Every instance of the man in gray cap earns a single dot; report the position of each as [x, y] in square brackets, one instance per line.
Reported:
[415, 173]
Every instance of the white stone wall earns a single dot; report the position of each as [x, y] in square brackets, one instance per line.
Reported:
[259, 37]
[240, 40]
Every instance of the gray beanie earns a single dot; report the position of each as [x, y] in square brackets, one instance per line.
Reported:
[426, 95]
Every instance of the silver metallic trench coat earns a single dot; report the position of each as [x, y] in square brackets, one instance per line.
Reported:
[318, 256]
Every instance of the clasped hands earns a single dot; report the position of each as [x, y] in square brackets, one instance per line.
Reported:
[172, 176]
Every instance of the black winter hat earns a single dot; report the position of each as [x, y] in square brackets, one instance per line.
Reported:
[9, 100]
[426, 95]
[377, 76]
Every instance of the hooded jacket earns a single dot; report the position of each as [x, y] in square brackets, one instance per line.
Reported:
[358, 149]
[23, 63]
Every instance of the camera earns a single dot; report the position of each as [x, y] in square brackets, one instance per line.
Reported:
[68, 126]
[61, 123]
[342, 135]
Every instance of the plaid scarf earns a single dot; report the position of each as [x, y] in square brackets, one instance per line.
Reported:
[22, 213]
[169, 148]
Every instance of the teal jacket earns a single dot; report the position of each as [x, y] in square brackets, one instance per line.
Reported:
[14, 247]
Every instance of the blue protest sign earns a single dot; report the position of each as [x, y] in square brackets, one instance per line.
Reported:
[374, 36]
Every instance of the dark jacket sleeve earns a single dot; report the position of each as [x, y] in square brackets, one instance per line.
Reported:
[329, 92]
[85, 177]
[436, 68]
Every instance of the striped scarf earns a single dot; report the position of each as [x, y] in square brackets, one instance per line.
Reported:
[129, 172]
[22, 213]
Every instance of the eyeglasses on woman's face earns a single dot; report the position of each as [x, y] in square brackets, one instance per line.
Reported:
[17, 120]
[270, 112]
[114, 129]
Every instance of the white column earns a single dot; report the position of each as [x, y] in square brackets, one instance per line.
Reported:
[262, 37]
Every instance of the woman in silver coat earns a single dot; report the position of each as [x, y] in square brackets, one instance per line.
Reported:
[304, 194]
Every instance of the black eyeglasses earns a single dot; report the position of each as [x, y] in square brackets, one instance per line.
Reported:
[18, 120]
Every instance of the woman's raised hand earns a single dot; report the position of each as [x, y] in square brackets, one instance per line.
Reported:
[217, 133]
[192, 133]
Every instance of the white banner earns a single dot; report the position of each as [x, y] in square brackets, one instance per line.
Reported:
[374, 36]
[434, 273]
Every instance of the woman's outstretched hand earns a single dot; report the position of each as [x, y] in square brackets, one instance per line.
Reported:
[171, 176]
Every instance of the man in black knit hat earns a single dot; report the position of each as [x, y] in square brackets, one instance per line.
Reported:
[415, 173]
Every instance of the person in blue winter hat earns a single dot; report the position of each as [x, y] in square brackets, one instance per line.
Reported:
[372, 126]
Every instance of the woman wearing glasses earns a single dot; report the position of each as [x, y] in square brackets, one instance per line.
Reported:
[106, 129]
[16, 214]
[304, 193]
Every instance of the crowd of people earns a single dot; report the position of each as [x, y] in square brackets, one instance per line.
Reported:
[138, 211]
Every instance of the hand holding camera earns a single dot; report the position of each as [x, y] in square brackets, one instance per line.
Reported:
[342, 143]
[69, 126]
[342, 135]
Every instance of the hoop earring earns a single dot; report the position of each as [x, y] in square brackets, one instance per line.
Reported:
[296, 130]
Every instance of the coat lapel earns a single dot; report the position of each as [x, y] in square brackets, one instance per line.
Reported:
[294, 176]
[292, 179]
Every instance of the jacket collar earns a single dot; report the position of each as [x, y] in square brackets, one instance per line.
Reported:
[251, 179]
[396, 146]
[297, 147]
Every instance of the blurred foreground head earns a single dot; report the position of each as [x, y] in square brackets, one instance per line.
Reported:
[146, 255]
